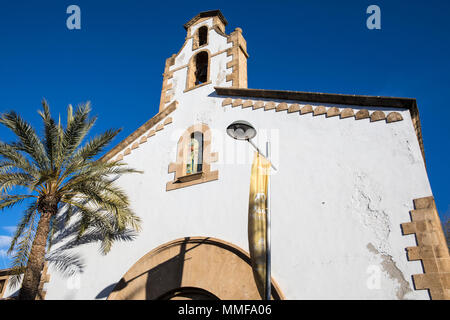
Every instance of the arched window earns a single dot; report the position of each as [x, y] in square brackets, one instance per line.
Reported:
[201, 67]
[194, 159]
[200, 38]
[198, 70]
[202, 35]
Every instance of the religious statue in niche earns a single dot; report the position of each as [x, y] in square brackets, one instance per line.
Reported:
[195, 153]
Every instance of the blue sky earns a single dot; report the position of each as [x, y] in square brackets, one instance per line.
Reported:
[117, 58]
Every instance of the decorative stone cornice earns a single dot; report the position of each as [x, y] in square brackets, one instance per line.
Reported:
[431, 249]
[339, 99]
[329, 112]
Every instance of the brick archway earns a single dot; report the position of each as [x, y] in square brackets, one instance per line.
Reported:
[212, 265]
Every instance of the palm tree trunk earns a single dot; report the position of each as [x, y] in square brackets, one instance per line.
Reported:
[36, 260]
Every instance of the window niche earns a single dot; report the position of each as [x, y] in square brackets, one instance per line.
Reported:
[193, 158]
[202, 36]
[198, 70]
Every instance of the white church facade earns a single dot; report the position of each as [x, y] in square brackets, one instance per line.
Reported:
[353, 215]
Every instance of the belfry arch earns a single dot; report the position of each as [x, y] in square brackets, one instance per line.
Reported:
[198, 72]
[191, 268]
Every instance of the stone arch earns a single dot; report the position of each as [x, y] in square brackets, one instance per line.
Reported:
[188, 293]
[200, 37]
[199, 68]
[191, 268]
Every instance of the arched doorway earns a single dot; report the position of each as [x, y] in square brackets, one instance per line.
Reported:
[191, 268]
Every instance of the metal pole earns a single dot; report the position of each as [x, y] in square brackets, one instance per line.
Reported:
[268, 253]
[259, 151]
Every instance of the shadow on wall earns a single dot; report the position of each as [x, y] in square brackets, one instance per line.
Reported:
[160, 279]
[61, 255]
[106, 291]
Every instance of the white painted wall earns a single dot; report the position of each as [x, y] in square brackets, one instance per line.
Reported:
[341, 192]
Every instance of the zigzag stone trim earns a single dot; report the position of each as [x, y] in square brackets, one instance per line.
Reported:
[142, 134]
[144, 138]
[431, 249]
[317, 111]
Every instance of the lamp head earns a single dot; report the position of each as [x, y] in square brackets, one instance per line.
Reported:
[241, 130]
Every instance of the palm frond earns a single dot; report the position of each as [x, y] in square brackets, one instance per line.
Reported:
[15, 158]
[92, 148]
[28, 216]
[13, 179]
[7, 166]
[29, 141]
[21, 251]
[53, 136]
[97, 170]
[78, 125]
[102, 220]
[9, 201]
[96, 145]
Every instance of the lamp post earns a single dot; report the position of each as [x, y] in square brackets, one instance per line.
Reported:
[243, 130]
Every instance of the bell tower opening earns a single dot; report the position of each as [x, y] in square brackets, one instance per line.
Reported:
[198, 70]
[201, 68]
[202, 36]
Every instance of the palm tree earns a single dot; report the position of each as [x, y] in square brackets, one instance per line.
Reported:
[59, 178]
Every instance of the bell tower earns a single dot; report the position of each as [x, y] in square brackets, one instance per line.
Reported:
[209, 57]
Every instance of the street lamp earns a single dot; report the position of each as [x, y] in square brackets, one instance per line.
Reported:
[243, 130]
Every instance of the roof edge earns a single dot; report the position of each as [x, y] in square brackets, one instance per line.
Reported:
[204, 14]
[348, 99]
[139, 131]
